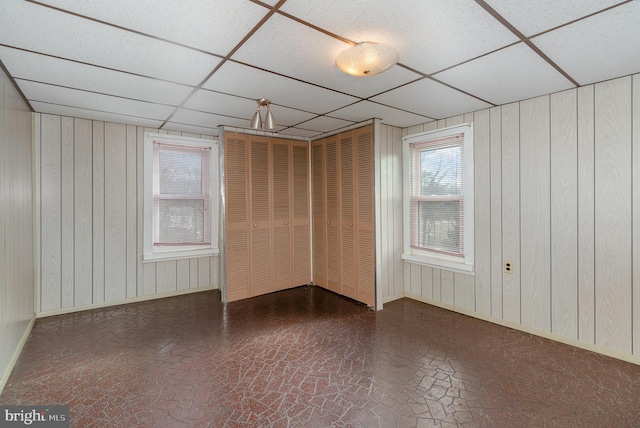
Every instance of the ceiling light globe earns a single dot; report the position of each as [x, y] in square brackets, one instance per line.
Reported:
[367, 59]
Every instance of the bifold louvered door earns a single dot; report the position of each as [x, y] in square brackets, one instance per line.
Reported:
[267, 215]
[236, 161]
[365, 238]
[344, 245]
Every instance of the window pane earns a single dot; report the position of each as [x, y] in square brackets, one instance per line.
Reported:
[180, 173]
[441, 171]
[181, 221]
[438, 225]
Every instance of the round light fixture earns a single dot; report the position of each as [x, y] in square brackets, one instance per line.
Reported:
[367, 59]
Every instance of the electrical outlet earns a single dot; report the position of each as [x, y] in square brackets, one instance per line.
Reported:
[508, 267]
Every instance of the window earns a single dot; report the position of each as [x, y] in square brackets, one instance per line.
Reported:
[438, 198]
[181, 197]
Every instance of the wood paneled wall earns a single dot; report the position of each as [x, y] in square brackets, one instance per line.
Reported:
[90, 219]
[557, 193]
[16, 225]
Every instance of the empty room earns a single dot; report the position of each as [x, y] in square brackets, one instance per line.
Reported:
[320, 213]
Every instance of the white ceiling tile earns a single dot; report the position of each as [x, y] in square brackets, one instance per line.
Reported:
[91, 101]
[366, 110]
[212, 26]
[40, 68]
[293, 49]
[429, 35]
[432, 99]
[534, 17]
[215, 102]
[83, 113]
[298, 132]
[40, 29]
[511, 74]
[201, 130]
[208, 120]
[324, 124]
[590, 52]
[253, 83]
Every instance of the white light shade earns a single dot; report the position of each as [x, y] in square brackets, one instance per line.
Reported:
[367, 59]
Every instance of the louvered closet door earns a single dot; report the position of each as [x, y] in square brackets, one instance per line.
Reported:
[300, 203]
[349, 265]
[365, 244]
[319, 219]
[237, 235]
[332, 214]
[261, 270]
[281, 213]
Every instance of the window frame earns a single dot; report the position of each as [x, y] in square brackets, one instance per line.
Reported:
[154, 253]
[435, 258]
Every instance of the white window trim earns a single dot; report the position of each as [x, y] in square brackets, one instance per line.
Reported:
[151, 254]
[434, 259]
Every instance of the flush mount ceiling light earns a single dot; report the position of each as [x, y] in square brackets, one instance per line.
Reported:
[269, 120]
[367, 59]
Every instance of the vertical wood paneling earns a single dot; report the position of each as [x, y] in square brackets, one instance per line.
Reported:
[91, 178]
[446, 287]
[182, 274]
[383, 201]
[204, 272]
[51, 218]
[636, 214]
[166, 276]
[511, 210]
[564, 213]
[193, 273]
[83, 212]
[613, 214]
[464, 292]
[67, 212]
[115, 211]
[415, 285]
[535, 213]
[495, 149]
[17, 252]
[396, 210]
[482, 211]
[586, 215]
[132, 195]
[436, 277]
[427, 282]
[98, 212]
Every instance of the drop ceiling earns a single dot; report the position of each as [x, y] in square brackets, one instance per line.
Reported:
[194, 65]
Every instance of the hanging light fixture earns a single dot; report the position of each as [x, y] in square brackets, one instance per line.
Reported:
[367, 59]
[256, 120]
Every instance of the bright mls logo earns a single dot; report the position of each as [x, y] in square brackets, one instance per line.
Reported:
[34, 416]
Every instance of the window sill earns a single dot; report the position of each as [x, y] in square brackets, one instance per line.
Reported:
[179, 254]
[439, 263]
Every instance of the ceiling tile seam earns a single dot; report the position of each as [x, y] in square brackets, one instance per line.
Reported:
[120, 27]
[474, 58]
[17, 88]
[216, 114]
[96, 110]
[226, 58]
[96, 65]
[379, 103]
[598, 12]
[253, 99]
[96, 92]
[491, 11]
[319, 29]
[314, 118]
[296, 79]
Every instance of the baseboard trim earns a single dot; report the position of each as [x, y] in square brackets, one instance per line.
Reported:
[101, 305]
[525, 329]
[16, 354]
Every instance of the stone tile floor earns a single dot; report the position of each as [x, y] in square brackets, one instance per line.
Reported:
[309, 358]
